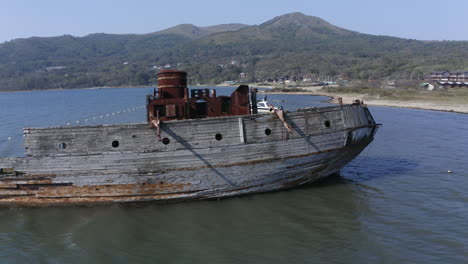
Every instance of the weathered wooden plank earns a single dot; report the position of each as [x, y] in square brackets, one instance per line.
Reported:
[245, 159]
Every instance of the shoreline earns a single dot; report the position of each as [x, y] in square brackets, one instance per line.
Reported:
[83, 88]
[116, 87]
[349, 98]
[316, 91]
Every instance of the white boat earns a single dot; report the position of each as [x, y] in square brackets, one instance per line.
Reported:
[263, 107]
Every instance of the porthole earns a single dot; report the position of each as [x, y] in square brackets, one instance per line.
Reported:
[267, 131]
[115, 143]
[218, 136]
[327, 123]
[165, 141]
[62, 146]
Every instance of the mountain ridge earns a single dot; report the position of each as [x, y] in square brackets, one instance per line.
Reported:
[195, 32]
[291, 44]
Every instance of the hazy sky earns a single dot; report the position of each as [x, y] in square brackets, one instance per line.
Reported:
[416, 19]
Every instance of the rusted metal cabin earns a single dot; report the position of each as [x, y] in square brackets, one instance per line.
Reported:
[171, 101]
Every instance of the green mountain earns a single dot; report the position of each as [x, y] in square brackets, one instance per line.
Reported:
[286, 27]
[194, 32]
[293, 44]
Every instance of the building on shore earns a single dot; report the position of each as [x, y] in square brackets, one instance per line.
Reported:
[452, 79]
[449, 76]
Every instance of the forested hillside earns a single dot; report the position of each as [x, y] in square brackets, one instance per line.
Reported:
[293, 44]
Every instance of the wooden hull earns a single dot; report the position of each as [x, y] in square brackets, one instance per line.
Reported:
[253, 154]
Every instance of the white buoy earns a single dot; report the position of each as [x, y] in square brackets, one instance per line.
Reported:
[449, 171]
[68, 124]
[9, 138]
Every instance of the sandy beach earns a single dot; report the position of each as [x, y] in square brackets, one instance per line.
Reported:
[370, 100]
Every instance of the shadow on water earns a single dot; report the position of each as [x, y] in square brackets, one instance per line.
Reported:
[368, 168]
[364, 169]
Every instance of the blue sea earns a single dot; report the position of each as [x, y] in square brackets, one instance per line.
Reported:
[395, 203]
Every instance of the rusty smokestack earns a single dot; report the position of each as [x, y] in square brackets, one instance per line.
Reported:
[172, 84]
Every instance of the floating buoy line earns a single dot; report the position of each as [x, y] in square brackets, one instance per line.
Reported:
[87, 120]
[103, 116]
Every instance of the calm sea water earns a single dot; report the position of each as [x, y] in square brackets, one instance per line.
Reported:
[395, 203]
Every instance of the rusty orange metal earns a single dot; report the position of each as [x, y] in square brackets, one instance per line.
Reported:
[54, 194]
[171, 100]
[172, 84]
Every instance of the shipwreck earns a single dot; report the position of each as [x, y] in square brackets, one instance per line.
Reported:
[196, 145]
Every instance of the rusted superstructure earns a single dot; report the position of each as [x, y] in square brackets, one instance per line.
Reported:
[196, 145]
[172, 101]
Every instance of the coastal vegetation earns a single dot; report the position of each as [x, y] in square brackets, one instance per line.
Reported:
[288, 45]
[287, 90]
